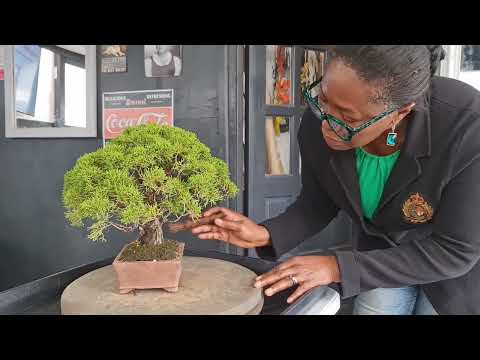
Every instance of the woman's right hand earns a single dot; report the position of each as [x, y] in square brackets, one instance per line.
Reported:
[233, 228]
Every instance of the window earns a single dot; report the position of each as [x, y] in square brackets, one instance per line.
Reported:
[470, 65]
[462, 62]
[50, 86]
[50, 91]
[75, 104]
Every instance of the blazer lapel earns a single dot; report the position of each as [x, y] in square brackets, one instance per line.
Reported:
[417, 144]
[343, 166]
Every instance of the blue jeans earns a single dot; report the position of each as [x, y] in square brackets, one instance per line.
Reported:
[410, 300]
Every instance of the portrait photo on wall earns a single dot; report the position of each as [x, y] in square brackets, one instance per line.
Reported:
[163, 60]
[312, 64]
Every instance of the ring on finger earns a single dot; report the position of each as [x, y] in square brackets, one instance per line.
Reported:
[293, 279]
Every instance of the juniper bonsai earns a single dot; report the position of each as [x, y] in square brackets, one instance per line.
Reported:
[144, 178]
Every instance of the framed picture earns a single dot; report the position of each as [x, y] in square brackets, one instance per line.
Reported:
[163, 60]
[114, 58]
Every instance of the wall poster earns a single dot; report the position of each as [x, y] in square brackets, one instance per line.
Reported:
[163, 60]
[114, 58]
[123, 109]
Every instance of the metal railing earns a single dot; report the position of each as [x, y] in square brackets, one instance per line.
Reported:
[321, 300]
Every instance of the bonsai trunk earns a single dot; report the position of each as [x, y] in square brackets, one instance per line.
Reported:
[152, 233]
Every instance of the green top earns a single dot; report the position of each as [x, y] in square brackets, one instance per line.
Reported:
[373, 172]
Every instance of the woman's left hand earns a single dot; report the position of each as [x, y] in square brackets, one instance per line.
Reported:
[308, 271]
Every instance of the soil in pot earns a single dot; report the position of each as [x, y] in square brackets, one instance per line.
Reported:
[136, 251]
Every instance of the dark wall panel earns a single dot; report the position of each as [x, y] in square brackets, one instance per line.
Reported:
[35, 239]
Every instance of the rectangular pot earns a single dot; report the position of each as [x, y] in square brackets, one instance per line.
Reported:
[161, 274]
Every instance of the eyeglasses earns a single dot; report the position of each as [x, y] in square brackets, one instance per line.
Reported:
[340, 128]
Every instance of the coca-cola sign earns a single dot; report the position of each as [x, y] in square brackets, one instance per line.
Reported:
[131, 108]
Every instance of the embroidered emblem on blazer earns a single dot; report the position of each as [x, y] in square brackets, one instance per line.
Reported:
[416, 210]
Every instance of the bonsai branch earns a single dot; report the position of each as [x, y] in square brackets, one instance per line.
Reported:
[123, 228]
[190, 224]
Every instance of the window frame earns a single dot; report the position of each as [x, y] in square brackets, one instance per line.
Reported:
[12, 131]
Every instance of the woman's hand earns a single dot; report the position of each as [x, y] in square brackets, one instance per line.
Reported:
[234, 228]
[308, 271]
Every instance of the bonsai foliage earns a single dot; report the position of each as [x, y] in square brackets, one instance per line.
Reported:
[147, 176]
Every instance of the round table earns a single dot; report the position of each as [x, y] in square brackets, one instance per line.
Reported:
[207, 287]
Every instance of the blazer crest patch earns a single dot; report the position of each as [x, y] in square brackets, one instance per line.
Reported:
[416, 210]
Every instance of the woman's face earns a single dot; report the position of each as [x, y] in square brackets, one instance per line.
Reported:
[161, 49]
[347, 97]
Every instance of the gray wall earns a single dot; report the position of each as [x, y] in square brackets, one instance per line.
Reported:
[35, 239]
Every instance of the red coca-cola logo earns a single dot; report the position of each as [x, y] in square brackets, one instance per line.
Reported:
[117, 121]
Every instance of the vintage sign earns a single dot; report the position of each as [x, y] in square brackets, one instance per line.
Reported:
[114, 58]
[130, 108]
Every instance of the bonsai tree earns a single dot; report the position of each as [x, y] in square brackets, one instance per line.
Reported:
[144, 178]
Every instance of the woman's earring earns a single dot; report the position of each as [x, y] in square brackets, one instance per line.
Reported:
[392, 137]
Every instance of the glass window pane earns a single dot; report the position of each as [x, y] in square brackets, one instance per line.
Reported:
[277, 141]
[312, 67]
[75, 96]
[470, 65]
[35, 86]
[278, 75]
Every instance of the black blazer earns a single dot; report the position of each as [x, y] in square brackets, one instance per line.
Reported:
[440, 161]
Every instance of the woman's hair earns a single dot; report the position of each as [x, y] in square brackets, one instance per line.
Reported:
[401, 73]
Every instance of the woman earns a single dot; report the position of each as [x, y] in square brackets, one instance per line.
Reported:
[398, 150]
[163, 63]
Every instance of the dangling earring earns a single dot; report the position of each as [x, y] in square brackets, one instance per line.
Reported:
[392, 137]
